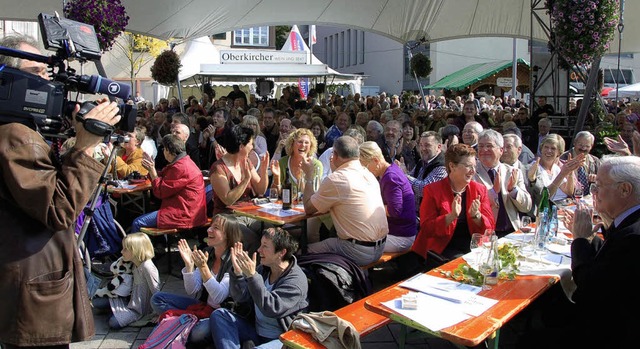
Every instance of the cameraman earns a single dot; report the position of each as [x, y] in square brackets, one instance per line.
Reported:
[42, 283]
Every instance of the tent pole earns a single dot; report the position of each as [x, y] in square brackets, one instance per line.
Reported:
[424, 101]
[172, 45]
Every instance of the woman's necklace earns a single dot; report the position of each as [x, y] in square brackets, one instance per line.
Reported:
[459, 192]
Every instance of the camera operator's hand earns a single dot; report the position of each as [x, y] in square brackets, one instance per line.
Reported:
[106, 112]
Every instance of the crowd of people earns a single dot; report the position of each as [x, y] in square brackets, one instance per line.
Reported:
[382, 173]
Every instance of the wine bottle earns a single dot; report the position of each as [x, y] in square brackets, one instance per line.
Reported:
[287, 189]
[544, 201]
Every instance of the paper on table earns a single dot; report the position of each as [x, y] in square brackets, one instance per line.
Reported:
[276, 210]
[437, 313]
[450, 290]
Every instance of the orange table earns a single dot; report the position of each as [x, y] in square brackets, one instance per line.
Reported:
[248, 209]
[136, 197]
[513, 296]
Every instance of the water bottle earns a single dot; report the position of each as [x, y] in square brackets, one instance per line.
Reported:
[541, 236]
[553, 223]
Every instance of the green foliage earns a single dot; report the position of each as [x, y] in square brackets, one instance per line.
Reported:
[166, 68]
[508, 255]
[281, 35]
[582, 30]
[421, 65]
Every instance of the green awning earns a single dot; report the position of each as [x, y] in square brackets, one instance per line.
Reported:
[472, 74]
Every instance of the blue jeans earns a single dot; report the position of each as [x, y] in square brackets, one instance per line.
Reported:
[163, 301]
[229, 332]
[146, 220]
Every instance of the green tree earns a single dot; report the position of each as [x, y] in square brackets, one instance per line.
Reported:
[281, 35]
[139, 50]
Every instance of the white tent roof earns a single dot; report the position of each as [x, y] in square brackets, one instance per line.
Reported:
[632, 90]
[201, 59]
[402, 20]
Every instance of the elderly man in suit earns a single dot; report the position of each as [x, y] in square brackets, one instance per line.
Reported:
[505, 184]
[602, 268]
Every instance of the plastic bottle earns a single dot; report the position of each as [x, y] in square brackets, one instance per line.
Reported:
[540, 238]
[287, 190]
[553, 223]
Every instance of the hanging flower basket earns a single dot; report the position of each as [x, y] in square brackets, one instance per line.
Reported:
[166, 68]
[421, 65]
[582, 29]
[109, 18]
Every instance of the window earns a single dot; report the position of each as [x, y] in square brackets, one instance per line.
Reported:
[361, 48]
[256, 36]
[623, 76]
[221, 36]
[341, 49]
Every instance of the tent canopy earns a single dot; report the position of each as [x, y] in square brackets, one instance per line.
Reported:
[201, 63]
[632, 90]
[472, 74]
[401, 20]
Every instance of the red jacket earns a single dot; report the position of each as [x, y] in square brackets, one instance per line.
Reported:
[181, 188]
[436, 204]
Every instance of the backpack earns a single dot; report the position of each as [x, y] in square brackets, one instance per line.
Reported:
[171, 332]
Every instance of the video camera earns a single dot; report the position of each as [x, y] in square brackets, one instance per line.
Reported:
[43, 104]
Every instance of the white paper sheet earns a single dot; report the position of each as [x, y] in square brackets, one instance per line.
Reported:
[276, 210]
[437, 313]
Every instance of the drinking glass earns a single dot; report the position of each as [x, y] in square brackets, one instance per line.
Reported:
[273, 194]
[577, 194]
[525, 224]
[486, 266]
[476, 246]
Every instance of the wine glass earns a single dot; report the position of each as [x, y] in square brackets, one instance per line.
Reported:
[273, 194]
[476, 246]
[525, 224]
[577, 194]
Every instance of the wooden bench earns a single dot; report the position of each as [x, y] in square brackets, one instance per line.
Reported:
[362, 319]
[386, 257]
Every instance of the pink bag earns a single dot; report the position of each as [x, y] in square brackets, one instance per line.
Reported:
[172, 332]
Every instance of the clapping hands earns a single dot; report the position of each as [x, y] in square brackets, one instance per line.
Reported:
[242, 263]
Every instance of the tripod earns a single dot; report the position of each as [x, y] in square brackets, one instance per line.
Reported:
[97, 192]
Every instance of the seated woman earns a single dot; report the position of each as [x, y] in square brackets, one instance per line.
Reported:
[205, 274]
[557, 177]
[397, 195]
[277, 288]
[409, 145]
[318, 130]
[129, 158]
[453, 208]
[180, 187]
[300, 144]
[234, 179]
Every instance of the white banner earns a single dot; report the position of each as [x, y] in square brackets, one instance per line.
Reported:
[262, 56]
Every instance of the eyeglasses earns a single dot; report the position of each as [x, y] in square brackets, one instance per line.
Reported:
[469, 167]
[594, 188]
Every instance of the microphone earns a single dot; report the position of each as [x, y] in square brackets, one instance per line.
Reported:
[98, 84]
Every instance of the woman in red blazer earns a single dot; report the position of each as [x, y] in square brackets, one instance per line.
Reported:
[453, 208]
